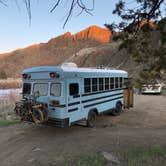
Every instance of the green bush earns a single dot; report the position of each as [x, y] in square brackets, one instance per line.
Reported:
[160, 56]
[3, 74]
[161, 26]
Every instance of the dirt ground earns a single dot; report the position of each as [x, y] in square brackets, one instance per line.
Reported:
[26, 144]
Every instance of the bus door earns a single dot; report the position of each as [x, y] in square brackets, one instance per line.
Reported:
[73, 100]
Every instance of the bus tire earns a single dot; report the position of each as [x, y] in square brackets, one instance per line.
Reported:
[91, 119]
[117, 110]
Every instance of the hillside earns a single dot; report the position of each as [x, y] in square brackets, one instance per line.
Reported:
[107, 55]
[143, 55]
[54, 52]
[143, 58]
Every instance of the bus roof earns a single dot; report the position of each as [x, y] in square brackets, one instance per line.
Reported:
[72, 70]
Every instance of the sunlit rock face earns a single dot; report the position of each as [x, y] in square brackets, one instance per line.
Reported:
[94, 33]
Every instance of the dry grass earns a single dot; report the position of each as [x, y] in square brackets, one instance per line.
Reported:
[7, 105]
[145, 156]
[10, 83]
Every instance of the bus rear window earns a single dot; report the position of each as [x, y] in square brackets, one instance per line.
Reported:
[40, 88]
[55, 89]
[26, 88]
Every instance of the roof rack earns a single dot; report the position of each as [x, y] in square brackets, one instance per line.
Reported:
[107, 68]
[69, 64]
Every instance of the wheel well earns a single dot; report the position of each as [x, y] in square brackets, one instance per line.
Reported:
[119, 102]
[94, 110]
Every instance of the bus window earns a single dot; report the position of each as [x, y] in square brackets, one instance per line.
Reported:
[111, 83]
[106, 83]
[26, 88]
[101, 84]
[42, 88]
[55, 89]
[94, 84]
[120, 82]
[116, 82]
[73, 89]
[87, 85]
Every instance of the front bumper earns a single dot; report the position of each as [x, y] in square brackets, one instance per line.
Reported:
[63, 123]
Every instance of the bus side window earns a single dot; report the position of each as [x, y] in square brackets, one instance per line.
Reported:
[94, 84]
[73, 89]
[101, 84]
[116, 82]
[112, 83]
[120, 82]
[87, 85]
[106, 83]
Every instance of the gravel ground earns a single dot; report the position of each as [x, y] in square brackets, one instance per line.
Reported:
[144, 125]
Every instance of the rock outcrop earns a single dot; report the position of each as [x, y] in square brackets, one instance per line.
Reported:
[54, 52]
[94, 33]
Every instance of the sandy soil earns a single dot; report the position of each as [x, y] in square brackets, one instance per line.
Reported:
[26, 144]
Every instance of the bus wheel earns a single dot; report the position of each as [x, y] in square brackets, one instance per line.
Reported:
[91, 119]
[117, 110]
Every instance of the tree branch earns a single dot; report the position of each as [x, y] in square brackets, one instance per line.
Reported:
[74, 3]
[55, 6]
[70, 12]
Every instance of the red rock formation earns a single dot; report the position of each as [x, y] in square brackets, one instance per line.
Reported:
[94, 33]
[65, 35]
[143, 22]
[91, 33]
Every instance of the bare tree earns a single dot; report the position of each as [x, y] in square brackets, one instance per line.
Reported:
[75, 4]
[87, 7]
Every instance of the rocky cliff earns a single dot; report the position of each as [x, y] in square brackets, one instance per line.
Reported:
[54, 52]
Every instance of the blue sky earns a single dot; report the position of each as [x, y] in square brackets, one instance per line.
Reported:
[15, 31]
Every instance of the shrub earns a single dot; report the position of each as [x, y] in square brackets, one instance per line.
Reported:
[3, 74]
[161, 26]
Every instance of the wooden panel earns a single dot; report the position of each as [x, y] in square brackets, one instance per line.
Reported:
[131, 98]
[128, 98]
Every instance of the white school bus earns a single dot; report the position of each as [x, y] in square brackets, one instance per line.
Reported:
[64, 95]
